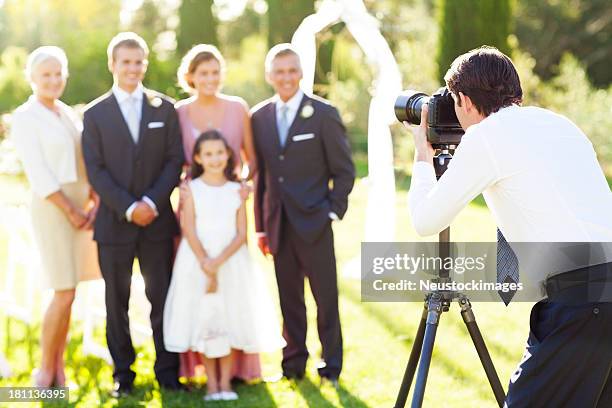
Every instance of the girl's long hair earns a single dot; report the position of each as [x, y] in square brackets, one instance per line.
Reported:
[230, 168]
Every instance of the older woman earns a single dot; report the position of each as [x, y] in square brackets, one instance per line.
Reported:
[201, 74]
[47, 135]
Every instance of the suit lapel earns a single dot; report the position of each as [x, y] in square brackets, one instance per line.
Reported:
[117, 118]
[298, 121]
[271, 113]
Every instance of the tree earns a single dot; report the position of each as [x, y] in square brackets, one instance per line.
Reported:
[326, 43]
[547, 29]
[468, 24]
[197, 24]
[82, 29]
[284, 17]
[14, 88]
[148, 22]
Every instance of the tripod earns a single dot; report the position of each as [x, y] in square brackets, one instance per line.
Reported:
[437, 302]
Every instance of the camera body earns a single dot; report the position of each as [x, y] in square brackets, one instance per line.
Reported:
[443, 127]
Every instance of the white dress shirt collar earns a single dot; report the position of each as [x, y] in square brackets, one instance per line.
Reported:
[122, 95]
[293, 103]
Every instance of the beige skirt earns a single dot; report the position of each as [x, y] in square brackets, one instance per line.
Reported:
[67, 255]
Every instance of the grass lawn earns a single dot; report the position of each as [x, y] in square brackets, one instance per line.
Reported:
[377, 339]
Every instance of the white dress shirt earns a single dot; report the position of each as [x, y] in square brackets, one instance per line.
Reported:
[293, 104]
[123, 99]
[46, 144]
[538, 174]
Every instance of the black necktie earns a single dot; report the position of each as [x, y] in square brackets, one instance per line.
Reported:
[507, 266]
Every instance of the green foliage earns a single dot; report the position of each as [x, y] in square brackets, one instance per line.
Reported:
[467, 24]
[284, 17]
[233, 32]
[350, 89]
[197, 24]
[82, 29]
[14, 89]
[549, 28]
[148, 22]
[245, 74]
[571, 93]
[89, 75]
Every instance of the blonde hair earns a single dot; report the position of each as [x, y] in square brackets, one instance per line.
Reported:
[42, 54]
[194, 57]
[280, 50]
[126, 39]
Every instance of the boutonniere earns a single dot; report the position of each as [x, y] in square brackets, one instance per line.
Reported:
[154, 101]
[307, 111]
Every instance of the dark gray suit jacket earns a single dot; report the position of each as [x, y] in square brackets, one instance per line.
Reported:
[122, 171]
[297, 178]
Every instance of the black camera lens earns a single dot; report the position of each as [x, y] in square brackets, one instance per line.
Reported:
[408, 106]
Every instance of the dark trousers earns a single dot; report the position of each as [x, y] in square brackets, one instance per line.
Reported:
[116, 262]
[295, 260]
[568, 359]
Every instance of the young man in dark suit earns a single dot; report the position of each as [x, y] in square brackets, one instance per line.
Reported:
[301, 148]
[133, 153]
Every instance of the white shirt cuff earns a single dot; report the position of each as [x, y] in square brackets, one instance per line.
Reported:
[423, 171]
[333, 216]
[260, 234]
[150, 203]
[130, 210]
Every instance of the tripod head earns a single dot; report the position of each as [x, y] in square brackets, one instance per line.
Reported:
[444, 154]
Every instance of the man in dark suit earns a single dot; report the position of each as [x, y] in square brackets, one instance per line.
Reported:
[301, 147]
[133, 153]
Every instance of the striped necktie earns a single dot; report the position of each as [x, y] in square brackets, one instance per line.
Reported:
[283, 125]
[132, 117]
[507, 266]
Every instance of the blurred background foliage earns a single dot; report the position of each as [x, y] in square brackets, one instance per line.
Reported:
[562, 48]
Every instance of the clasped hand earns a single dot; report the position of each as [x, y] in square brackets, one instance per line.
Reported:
[210, 266]
[143, 214]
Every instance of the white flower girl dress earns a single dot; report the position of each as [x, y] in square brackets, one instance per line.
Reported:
[239, 315]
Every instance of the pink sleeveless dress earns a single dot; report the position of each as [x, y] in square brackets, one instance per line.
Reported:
[245, 366]
[232, 127]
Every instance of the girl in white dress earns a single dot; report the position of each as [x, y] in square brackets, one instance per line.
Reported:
[217, 299]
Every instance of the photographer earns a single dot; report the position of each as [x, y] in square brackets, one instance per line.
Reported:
[541, 180]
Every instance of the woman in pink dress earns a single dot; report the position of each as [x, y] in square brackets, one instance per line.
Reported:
[201, 73]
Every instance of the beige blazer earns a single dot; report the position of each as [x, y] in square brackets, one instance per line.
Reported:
[47, 148]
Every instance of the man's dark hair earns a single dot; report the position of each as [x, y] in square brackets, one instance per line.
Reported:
[488, 77]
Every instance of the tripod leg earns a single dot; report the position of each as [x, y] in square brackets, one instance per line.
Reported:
[434, 310]
[470, 322]
[415, 353]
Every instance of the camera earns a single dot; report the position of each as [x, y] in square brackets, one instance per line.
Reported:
[443, 127]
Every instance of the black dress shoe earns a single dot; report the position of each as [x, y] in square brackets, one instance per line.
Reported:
[290, 375]
[286, 375]
[333, 381]
[122, 390]
[175, 387]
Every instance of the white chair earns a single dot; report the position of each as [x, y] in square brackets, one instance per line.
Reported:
[5, 368]
[18, 294]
